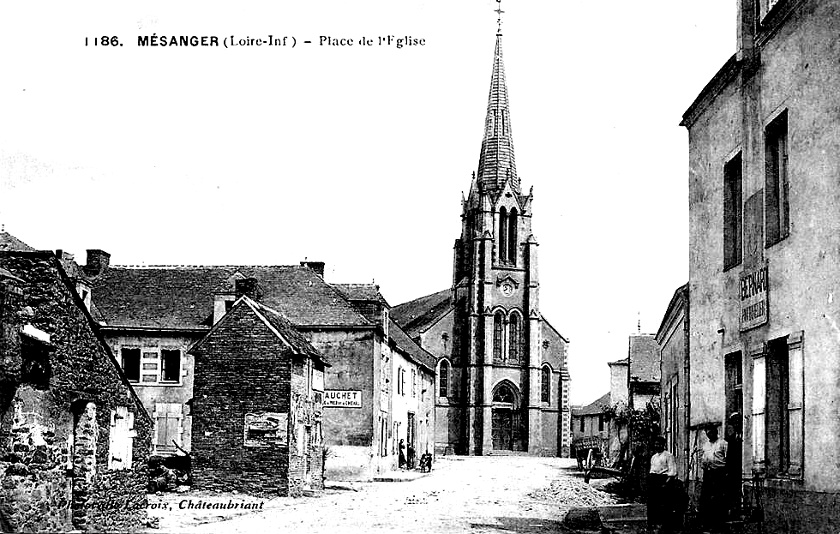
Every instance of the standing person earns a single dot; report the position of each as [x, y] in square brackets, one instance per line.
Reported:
[663, 471]
[713, 491]
[401, 461]
[410, 458]
[734, 441]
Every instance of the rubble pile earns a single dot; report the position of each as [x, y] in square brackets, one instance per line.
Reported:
[572, 493]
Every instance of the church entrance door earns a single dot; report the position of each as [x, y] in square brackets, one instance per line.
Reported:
[505, 418]
[502, 429]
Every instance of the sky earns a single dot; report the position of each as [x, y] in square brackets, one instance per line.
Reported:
[357, 155]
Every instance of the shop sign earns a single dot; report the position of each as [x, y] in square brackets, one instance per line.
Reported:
[753, 290]
[341, 398]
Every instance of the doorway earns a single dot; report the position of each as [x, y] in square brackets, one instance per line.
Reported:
[505, 423]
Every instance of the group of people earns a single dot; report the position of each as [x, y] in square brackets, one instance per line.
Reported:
[720, 487]
[408, 462]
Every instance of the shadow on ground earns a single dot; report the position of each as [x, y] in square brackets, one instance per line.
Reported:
[524, 525]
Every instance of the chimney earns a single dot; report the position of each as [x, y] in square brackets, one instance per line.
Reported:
[249, 287]
[97, 261]
[748, 13]
[317, 266]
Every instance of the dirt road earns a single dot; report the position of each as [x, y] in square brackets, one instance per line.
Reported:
[478, 494]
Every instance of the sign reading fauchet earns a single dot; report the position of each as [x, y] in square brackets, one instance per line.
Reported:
[342, 398]
[753, 292]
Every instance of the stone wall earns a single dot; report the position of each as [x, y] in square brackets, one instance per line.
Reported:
[39, 414]
[242, 370]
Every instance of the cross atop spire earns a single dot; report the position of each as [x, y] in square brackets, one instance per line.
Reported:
[499, 19]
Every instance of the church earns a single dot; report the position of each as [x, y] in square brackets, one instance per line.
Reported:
[502, 384]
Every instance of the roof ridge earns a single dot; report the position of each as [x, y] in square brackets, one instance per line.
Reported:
[197, 266]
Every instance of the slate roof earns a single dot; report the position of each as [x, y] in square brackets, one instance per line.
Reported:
[282, 326]
[368, 292]
[182, 297]
[596, 407]
[416, 315]
[11, 243]
[408, 346]
[20, 266]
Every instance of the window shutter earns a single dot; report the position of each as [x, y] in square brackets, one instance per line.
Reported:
[758, 404]
[796, 402]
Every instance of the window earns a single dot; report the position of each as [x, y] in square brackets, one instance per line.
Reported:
[778, 423]
[515, 335]
[503, 395]
[131, 364]
[600, 422]
[152, 366]
[443, 379]
[778, 407]
[498, 319]
[776, 207]
[170, 365]
[512, 240]
[401, 381]
[581, 423]
[546, 384]
[732, 213]
[503, 232]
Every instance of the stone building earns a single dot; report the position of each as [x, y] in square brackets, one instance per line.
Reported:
[764, 251]
[74, 437]
[592, 421]
[257, 405]
[643, 371]
[502, 378]
[673, 340]
[151, 316]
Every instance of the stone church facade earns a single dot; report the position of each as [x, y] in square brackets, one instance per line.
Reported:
[502, 379]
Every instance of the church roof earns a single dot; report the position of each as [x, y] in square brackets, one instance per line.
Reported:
[496, 163]
[414, 316]
[182, 297]
[414, 351]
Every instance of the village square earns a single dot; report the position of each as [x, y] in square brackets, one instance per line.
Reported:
[245, 397]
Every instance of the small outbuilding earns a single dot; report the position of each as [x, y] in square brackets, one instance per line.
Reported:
[257, 405]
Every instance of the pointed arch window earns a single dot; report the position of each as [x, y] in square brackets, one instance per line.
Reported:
[545, 390]
[503, 395]
[512, 246]
[503, 232]
[498, 320]
[443, 379]
[514, 337]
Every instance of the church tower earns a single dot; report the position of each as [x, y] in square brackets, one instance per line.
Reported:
[503, 362]
[502, 381]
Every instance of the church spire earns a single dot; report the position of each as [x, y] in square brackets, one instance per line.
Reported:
[496, 163]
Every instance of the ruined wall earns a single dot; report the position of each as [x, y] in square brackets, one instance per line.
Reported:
[306, 442]
[39, 435]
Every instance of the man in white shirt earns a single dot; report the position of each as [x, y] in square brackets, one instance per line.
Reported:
[663, 469]
[712, 492]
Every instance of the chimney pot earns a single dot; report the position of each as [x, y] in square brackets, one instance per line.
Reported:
[249, 287]
[317, 266]
[97, 261]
